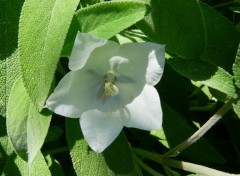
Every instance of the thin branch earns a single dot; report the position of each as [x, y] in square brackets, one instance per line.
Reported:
[226, 4]
[201, 131]
[195, 168]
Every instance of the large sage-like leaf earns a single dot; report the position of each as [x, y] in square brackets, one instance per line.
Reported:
[18, 167]
[26, 127]
[43, 28]
[9, 18]
[105, 20]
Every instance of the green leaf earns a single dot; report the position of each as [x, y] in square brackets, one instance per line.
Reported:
[18, 167]
[43, 28]
[181, 30]
[5, 151]
[109, 18]
[205, 73]
[222, 39]
[54, 133]
[105, 20]
[115, 160]
[236, 108]
[236, 68]
[26, 127]
[176, 130]
[198, 33]
[169, 90]
[54, 166]
[9, 17]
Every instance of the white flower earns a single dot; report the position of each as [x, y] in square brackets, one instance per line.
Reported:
[110, 86]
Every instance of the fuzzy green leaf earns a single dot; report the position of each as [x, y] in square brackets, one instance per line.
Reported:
[105, 20]
[9, 17]
[18, 167]
[115, 160]
[43, 28]
[205, 73]
[236, 108]
[26, 127]
[236, 68]
[109, 18]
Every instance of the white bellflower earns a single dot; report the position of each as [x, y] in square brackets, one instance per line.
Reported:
[110, 86]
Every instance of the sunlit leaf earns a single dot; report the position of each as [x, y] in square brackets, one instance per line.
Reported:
[105, 20]
[236, 68]
[43, 28]
[18, 167]
[27, 128]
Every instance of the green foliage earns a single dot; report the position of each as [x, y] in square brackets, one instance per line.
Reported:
[115, 160]
[42, 32]
[205, 73]
[236, 108]
[109, 18]
[18, 167]
[236, 68]
[170, 138]
[181, 30]
[221, 39]
[26, 127]
[105, 20]
[191, 33]
[9, 16]
[54, 167]
[202, 72]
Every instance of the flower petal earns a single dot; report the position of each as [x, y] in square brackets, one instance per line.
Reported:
[130, 66]
[100, 129]
[99, 58]
[145, 111]
[156, 61]
[83, 46]
[76, 92]
[130, 63]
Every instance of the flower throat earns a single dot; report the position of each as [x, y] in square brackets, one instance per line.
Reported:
[109, 88]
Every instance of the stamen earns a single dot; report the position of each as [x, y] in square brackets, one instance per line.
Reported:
[109, 88]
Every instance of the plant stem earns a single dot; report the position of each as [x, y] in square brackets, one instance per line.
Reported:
[145, 166]
[149, 155]
[196, 92]
[201, 131]
[226, 4]
[195, 168]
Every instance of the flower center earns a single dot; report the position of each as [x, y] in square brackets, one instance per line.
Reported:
[109, 88]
